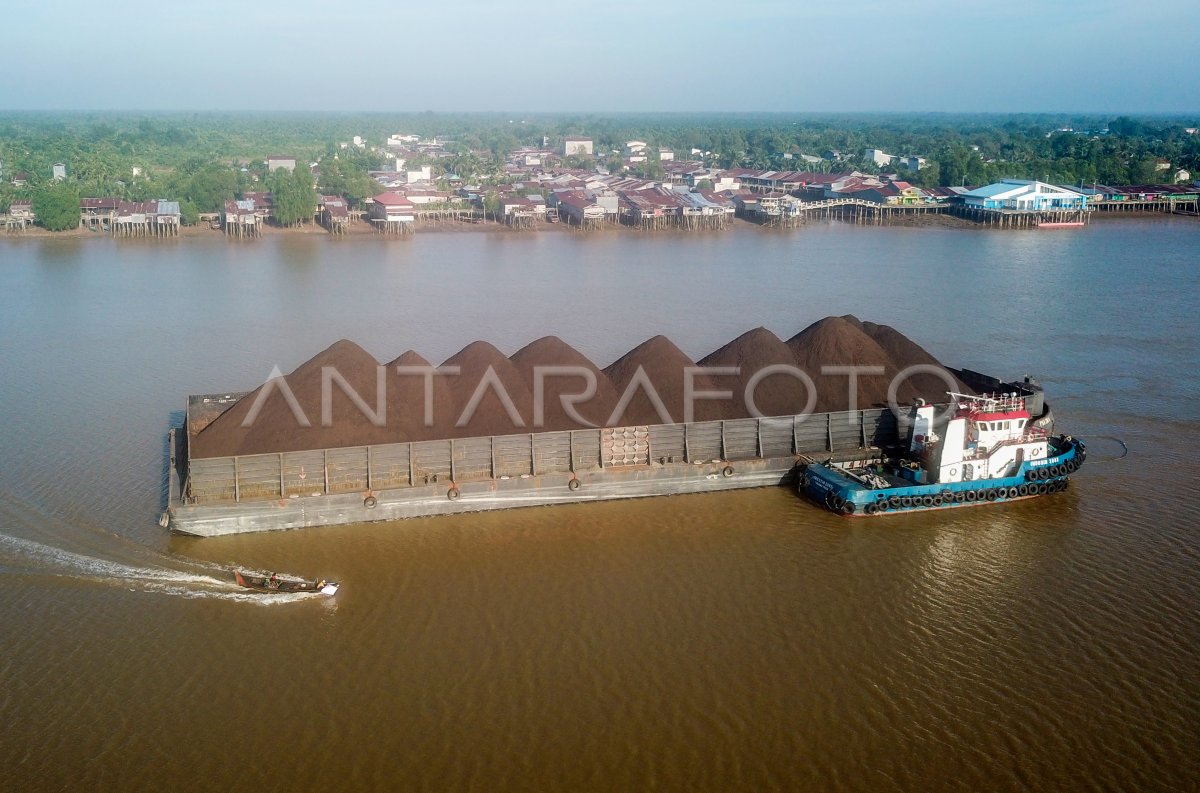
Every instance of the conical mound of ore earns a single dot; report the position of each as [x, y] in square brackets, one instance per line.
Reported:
[272, 424]
[548, 358]
[663, 368]
[489, 395]
[841, 342]
[407, 398]
[904, 353]
[765, 365]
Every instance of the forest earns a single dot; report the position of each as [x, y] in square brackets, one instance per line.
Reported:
[202, 159]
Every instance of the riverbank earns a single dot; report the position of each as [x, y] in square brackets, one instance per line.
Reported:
[353, 229]
[361, 229]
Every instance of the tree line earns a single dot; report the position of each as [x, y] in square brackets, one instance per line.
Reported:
[202, 160]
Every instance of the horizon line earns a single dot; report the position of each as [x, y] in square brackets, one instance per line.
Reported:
[504, 112]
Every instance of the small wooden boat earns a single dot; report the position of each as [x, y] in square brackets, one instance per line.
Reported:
[276, 583]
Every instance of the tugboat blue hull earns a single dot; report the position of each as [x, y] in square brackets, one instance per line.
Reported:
[841, 493]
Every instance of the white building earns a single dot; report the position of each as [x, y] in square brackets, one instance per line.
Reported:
[423, 174]
[58, 172]
[277, 161]
[665, 155]
[1023, 194]
[574, 145]
[878, 156]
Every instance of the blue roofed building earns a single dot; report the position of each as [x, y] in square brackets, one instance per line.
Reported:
[1026, 195]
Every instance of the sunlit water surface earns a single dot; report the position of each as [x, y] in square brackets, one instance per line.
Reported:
[739, 641]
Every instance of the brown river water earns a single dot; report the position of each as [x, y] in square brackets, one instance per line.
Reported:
[719, 642]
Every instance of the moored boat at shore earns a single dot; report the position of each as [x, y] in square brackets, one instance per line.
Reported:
[988, 449]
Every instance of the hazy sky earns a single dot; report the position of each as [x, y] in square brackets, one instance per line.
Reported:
[774, 55]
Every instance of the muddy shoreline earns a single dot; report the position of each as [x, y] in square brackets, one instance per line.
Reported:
[361, 229]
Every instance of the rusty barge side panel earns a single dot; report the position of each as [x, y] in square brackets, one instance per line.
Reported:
[231, 495]
[426, 500]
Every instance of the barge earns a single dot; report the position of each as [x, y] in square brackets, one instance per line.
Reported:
[213, 496]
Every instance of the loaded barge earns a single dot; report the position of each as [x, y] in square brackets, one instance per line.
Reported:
[215, 496]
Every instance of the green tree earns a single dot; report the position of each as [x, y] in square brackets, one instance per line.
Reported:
[348, 179]
[210, 188]
[466, 165]
[293, 195]
[929, 176]
[650, 169]
[1126, 127]
[188, 214]
[491, 205]
[57, 206]
[1142, 171]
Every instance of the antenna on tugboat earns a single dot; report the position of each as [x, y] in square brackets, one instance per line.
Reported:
[971, 396]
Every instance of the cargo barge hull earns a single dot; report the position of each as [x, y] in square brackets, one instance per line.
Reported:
[211, 497]
[213, 520]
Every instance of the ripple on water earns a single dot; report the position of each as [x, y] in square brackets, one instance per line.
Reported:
[719, 642]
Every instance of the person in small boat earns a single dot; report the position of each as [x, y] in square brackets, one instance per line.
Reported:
[320, 584]
[273, 583]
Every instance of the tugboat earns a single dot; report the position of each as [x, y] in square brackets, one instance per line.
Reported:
[991, 450]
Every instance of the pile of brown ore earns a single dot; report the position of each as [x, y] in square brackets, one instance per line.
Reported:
[344, 397]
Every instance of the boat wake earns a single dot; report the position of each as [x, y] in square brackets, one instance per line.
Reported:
[26, 557]
[92, 562]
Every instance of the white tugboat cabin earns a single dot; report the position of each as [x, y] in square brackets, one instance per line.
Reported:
[987, 437]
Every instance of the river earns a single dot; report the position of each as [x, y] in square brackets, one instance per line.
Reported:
[738, 641]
